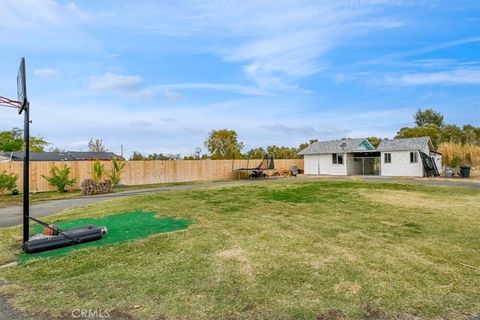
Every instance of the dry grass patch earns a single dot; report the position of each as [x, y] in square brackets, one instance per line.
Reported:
[469, 153]
[429, 201]
[238, 256]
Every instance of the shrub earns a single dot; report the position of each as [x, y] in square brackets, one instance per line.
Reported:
[60, 178]
[117, 167]
[98, 170]
[456, 161]
[8, 181]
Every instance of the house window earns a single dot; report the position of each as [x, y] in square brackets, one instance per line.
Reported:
[337, 158]
[387, 158]
[413, 157]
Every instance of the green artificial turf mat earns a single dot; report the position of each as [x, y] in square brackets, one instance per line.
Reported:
[121, 228]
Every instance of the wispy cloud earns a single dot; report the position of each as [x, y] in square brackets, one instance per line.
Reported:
[426, 49]
[172, 95]
[46, 73]
[277, 45]
[35, 15]
[451, 77]
[305, 130]
[46, 25]
[246, 90]
[114, 82]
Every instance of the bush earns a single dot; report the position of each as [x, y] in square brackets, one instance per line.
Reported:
[60, 178]
[8, 181]
[98, 170]
[117, 167]
[456, 161]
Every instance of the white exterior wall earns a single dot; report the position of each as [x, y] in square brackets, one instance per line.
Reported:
[310, 163]
[327, 167]
[400, 165]
[322, 164]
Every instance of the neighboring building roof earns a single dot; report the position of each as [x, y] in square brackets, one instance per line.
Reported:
[62, 156]
[41, 156]
[81, 155]
[338, 146]
[4, 157]
[406, 144]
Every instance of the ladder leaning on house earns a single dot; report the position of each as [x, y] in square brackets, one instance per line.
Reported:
[429, 165]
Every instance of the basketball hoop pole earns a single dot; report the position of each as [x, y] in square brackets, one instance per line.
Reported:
[25, 107]
[26, 173]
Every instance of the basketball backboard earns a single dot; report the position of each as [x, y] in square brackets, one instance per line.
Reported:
[21, 86]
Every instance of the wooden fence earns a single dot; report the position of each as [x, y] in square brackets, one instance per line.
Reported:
[140, 172]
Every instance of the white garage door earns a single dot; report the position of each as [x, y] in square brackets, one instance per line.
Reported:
[311, 164]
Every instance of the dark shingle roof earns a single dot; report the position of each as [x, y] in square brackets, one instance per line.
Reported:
[87, 155]
[405, 144]
[336, 146]
[41, 156]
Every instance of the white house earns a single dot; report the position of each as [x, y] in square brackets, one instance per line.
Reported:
[408, 157]
[341, 157]
[398, 157]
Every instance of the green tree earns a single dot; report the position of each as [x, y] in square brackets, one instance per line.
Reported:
[137, 156]
[471, 134]
[159, 156]
[224, 144]
[451, 133]
[375, 141]
[430, 130]
[256, 153]
[96, 145]
[283, 152]
[306, 144]
[12, 140]
[38, 144]
[428, 116]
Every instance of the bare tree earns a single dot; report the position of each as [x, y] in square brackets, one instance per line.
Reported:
[96, 145]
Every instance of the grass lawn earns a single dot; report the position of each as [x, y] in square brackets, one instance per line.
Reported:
[271, 250]
[16, 200]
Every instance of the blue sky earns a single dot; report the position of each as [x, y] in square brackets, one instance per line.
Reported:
[157, 76]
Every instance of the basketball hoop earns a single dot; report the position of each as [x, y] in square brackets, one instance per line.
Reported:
[6, 102]
[22, 87]
[57, 238]
[21, 101]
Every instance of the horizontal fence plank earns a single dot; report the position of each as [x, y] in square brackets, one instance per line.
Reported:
[140, 172]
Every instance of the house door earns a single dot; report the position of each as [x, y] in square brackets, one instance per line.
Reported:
[312, 164]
